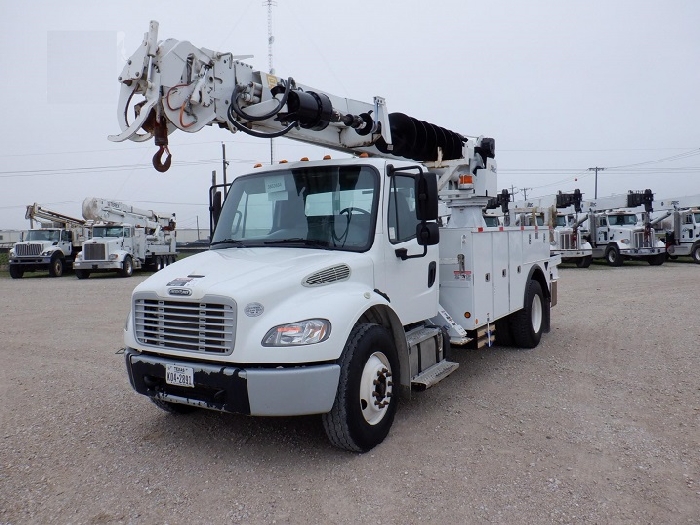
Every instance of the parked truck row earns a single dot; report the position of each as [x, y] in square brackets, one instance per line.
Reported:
[111, 237]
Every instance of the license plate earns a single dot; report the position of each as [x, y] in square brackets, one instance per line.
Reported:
[179, 375]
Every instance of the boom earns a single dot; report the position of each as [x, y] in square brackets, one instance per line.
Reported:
[97, 209]
[186, 88]
[42, 215]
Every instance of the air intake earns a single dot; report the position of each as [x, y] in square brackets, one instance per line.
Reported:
[334, 274]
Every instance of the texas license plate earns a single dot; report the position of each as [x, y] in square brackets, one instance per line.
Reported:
[179, 375]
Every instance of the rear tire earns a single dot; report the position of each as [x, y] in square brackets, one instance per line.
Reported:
[82, 274]
[173, 408]
[56, 266]
[612, 255]
[365, 403]
[16, 272]
[527, 324]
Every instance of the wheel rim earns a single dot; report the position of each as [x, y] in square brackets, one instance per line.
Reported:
[537, 313]
[376, 388]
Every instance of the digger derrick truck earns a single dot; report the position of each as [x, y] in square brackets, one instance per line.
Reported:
[328, 287]
[124, 239]
[562, 213]
[683, 236]
[614, 232]
[53, 246]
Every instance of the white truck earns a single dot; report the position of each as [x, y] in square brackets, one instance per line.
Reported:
[683, 236]
[53, 246]
[124, 239]
[328, 287]
[561, 212]
[615, 232]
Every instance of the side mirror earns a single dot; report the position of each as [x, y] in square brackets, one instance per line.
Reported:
[427, 234]
[426, 197]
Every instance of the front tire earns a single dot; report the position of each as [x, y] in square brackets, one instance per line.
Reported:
[527, 324]
[612, 255]
[365, 404]
[657, 260]
[82, 274]
[56, 266]
[127, 267]
[695, 253]
[16, 272]
[584, 262]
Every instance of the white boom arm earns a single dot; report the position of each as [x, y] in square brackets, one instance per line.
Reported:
[631, 199]
[678, 203]
[185, 87]
[37, 213]
[97, 209]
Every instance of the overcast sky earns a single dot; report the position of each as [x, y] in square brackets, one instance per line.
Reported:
[561, 85]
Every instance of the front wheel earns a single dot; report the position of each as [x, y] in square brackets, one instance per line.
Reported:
[16, 272]
[657, 260]
[695, 253]
[56, 266]
[82, 274]
[584, 262]
[127, 267]
[527, 324]
[365, 404]
[612, 255]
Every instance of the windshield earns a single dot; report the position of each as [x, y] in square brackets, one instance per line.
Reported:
[697, 218]
[561, 221]
[622, 220]
[333, 207]
[491, 220]
[43, 235]
[108, 231]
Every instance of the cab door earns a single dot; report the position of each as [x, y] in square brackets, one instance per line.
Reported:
[411, 284]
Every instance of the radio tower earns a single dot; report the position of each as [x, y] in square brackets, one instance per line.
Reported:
[270, 40]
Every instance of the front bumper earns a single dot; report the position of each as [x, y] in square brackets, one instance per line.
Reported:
[641, 252]
[97, 265]
[291, 391]
[30, 261]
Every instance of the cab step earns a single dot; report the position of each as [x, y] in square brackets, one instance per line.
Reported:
[433, 375]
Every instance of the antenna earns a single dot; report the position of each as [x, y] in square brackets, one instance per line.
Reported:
[270, 40]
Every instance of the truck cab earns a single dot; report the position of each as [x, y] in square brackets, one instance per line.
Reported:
[41, 249]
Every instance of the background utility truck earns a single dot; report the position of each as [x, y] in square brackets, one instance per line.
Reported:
[683, 232]
[328, 287]
[125, 239]
[51, 247]
[561, 212]
[614, 233]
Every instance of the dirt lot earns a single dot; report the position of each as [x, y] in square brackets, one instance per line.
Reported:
[599, 424]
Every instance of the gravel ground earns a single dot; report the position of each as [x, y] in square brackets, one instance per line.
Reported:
[599, 424]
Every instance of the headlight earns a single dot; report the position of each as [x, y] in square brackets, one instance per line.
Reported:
[12, 252]
[45, 253]
[306, 332]
[625, 241]
[113, 256]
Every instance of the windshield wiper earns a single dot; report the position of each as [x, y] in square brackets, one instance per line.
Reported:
[228, 241]
[302, 241]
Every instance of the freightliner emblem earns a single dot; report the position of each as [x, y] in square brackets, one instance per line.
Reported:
[179, 291]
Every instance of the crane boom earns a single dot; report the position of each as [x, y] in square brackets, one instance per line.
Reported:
[106, 210]
[185, 87]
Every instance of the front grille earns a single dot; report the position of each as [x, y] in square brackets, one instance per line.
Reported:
[28, 249]
[94, 252]
[208, 326]
[567, 241]
[638, 240]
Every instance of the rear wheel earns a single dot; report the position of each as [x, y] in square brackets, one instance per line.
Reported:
[82, 274]
[16, 272]
[365, 404]
[527, 324]
[612, 255]
[127, 267]
[56, 266]
[584, 262]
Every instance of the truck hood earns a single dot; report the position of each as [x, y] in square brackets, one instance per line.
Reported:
[255, 273]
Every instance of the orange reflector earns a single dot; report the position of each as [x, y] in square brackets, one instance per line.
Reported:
[304, 159]
[364, 155]
[465, 179]
[467, 315]
[283, 162]
[258, 165]
[479, 229]
[326, 157]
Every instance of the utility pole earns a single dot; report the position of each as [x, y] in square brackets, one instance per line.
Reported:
[270, 40]
[513, 191]
[525, 190]
[596, 179]
[225, 163]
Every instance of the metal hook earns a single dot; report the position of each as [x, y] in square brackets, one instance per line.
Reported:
[158, 163]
